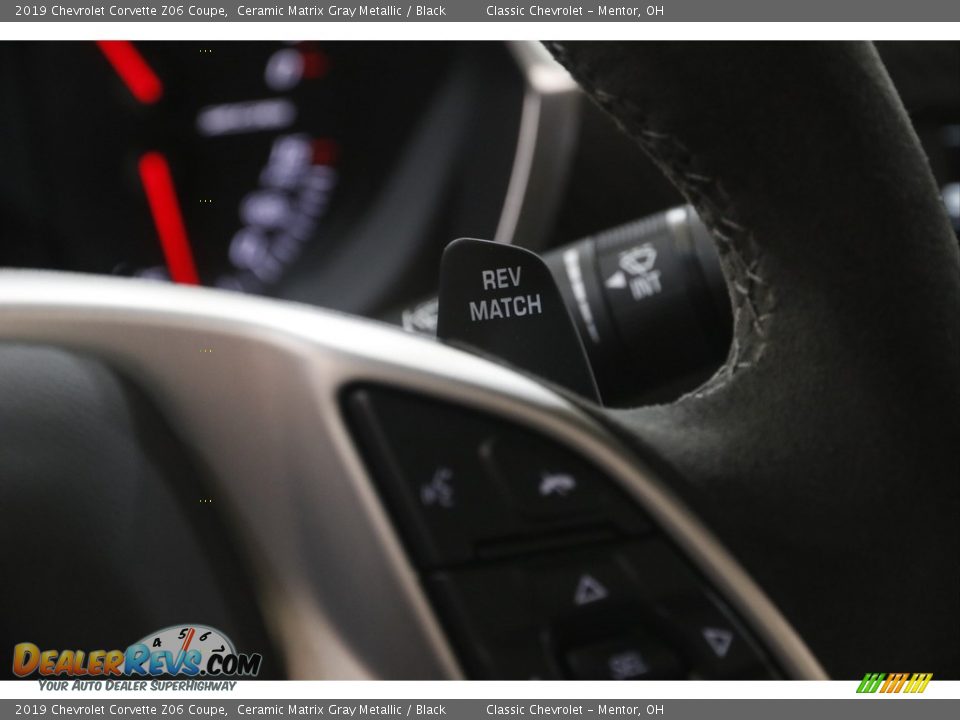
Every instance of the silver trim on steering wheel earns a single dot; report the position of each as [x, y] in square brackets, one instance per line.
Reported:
[253, 385]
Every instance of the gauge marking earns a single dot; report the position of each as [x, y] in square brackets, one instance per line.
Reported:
[167, 218]
[255, 197]
[136, 74]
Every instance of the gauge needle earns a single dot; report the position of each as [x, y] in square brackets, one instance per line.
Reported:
[167, 218]
[187, 639]
[137, 75]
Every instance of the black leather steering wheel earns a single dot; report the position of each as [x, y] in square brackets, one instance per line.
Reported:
[825, 450]
[823, 453]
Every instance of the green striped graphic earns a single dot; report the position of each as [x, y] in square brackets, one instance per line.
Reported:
[871, 682]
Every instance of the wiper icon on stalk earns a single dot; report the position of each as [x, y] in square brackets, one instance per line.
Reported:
[560, 484]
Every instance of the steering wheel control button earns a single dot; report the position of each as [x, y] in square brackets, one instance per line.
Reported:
[707, 634]
[539, 565]
[548, 484]
[463, 484]
[627, 658]
[716, 646]
[544, 484]
[581, 583]
[503, 301]
[426, 456]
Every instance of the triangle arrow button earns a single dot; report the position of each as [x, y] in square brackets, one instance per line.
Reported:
[589, 590]
[719, 640]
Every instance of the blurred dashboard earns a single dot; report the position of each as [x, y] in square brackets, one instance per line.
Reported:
[258, 167]
[332, 173]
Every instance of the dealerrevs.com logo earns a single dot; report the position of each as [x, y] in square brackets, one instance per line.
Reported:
[186, 650]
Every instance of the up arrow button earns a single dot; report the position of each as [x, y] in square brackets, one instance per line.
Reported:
[502, 300]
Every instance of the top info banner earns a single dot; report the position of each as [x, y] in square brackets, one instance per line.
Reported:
[485, 11]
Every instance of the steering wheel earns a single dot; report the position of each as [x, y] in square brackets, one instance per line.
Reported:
[812, 482]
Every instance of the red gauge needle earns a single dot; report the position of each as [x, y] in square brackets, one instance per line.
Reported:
[167, 218]
[137, 75]
[187, 639]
